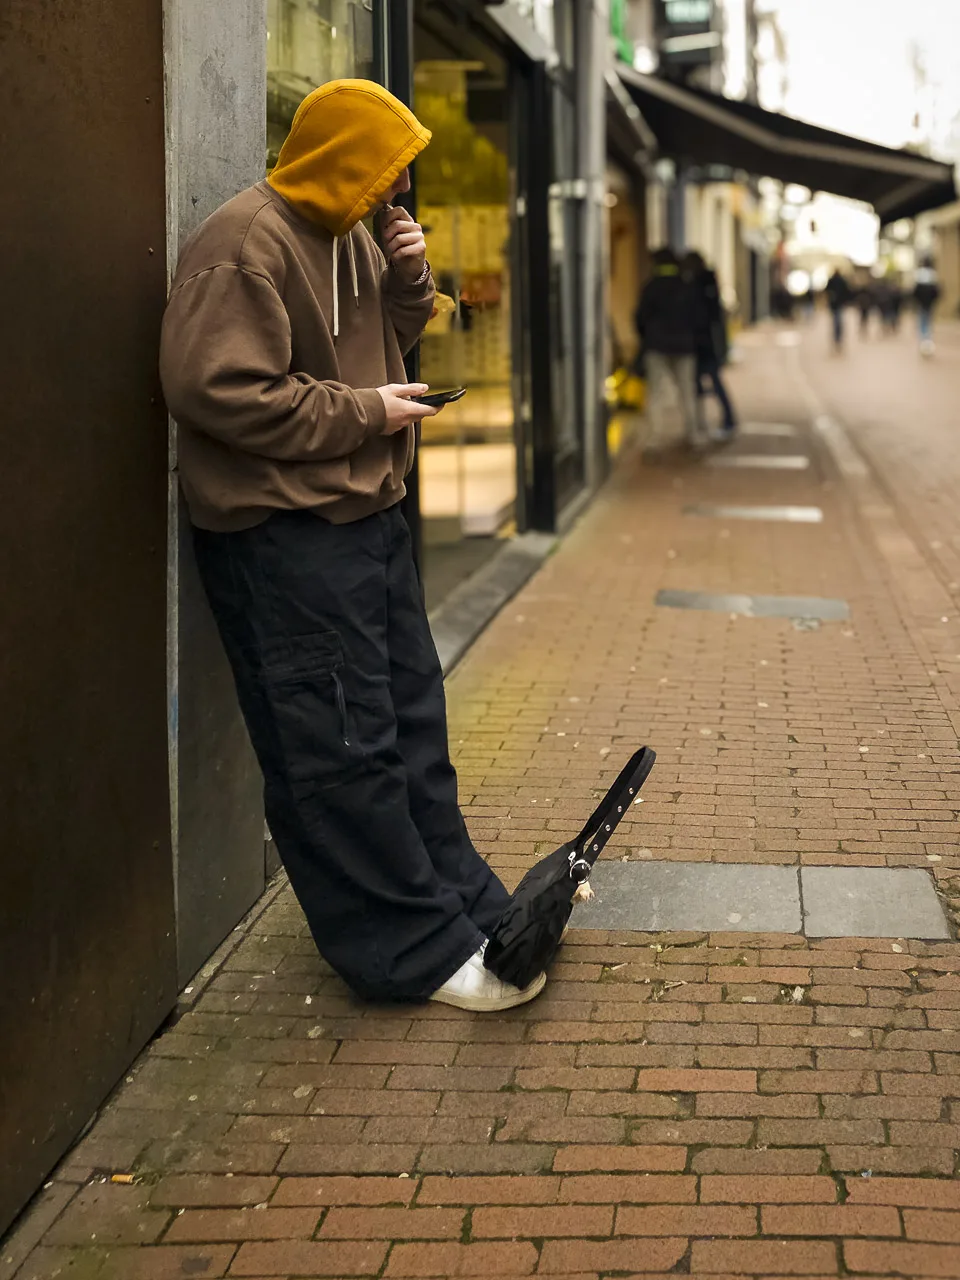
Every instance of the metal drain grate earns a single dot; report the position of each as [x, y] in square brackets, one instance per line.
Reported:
[792, 515]
[757, 606]
[760, 461]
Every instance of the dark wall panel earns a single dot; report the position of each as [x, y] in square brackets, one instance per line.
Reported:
[87, 953]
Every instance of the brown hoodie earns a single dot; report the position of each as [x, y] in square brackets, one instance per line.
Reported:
[282, 320]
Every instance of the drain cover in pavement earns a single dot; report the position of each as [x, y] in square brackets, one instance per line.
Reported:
[757, 606]
[793, 515]
[767, 429]
[652, 896]
[871, 902]
[836, 902]
[768, 461]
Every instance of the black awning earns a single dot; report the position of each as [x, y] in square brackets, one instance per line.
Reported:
[706, 128]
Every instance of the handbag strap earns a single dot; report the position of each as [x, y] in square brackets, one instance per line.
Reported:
[608, 814]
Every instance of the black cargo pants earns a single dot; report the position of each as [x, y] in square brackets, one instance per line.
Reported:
[342, 692]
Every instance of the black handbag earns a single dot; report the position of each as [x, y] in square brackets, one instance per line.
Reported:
[527, 935]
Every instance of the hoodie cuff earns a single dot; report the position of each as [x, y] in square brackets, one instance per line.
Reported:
[374, 410]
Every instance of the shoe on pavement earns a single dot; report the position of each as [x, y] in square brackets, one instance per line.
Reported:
[474, 987]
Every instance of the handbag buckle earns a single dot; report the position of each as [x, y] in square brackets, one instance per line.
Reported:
[580, 869]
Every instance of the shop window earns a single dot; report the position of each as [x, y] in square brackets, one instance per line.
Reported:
[308, 43]
[468, 462]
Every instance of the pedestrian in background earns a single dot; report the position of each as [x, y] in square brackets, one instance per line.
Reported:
[712, 347]
[839, 294]
[282, 362]
[671, 322]
[866, 300]
[926, 293]
[890, 301]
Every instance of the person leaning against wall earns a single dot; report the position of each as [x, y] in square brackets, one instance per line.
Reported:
[282, 362]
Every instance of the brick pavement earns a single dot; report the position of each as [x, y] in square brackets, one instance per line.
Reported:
[712, 1105]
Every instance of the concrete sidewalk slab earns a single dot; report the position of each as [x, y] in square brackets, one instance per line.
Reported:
[760, 461]
[655, 896]
[792, 515]
[871, 902]
[782, 429]
[753, 606]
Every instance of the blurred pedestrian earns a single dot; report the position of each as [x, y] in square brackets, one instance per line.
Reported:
[839, 295]
[712, 347]
[282, 362]
[926, 293]
[866, 301]
[670, 321]
[890, 301]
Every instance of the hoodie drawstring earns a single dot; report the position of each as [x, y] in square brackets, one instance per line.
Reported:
[352, 255]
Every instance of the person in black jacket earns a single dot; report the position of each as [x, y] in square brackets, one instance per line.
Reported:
[839, 295]
[712, 339]
[670, 321]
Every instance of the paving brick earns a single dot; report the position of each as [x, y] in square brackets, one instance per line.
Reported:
[932, 1224]
[734, 1189]
[304, 1158]
[763, 1257]
[921, 1193]
[294, 1192]
[832, 1220]
[728, 1160]
[392, 1224]
[309, 1258]
[492, 1190]
[540, 1222]
[687, 1220]
[617, 1159]
[157, 1262]
[503, 1157]
[936, 1160]
[889, 1257]
[645, 1188]
[475, 1260]
[108, 1214]
[204, 1225]
[694, 1081]
[620, 1256]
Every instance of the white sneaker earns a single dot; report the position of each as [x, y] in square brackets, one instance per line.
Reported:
[475, 987]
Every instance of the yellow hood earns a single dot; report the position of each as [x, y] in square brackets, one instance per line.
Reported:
[349, 141]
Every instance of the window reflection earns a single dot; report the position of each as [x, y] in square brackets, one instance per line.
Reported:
[468, 460]
[308, 43]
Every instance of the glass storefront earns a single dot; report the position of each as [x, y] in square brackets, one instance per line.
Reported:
[494, 191]
[468, 459]
[308, 43]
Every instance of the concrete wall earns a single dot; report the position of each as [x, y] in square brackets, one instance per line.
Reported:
[215, 84]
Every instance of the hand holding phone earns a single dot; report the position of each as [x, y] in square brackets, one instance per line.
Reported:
[401, 407]
[437, 399]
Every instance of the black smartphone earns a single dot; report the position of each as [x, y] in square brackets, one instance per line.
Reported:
[437, 399]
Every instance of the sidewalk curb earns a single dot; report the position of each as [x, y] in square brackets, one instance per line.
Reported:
[472, 606]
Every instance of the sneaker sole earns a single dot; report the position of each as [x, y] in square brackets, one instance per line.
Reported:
[477, 1004]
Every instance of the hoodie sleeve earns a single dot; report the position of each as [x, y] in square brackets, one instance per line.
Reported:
[225, 355]
[409, 306]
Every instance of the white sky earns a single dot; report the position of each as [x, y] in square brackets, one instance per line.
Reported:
[849, 67]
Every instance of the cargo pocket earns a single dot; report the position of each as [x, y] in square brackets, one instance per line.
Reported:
[304, 682]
